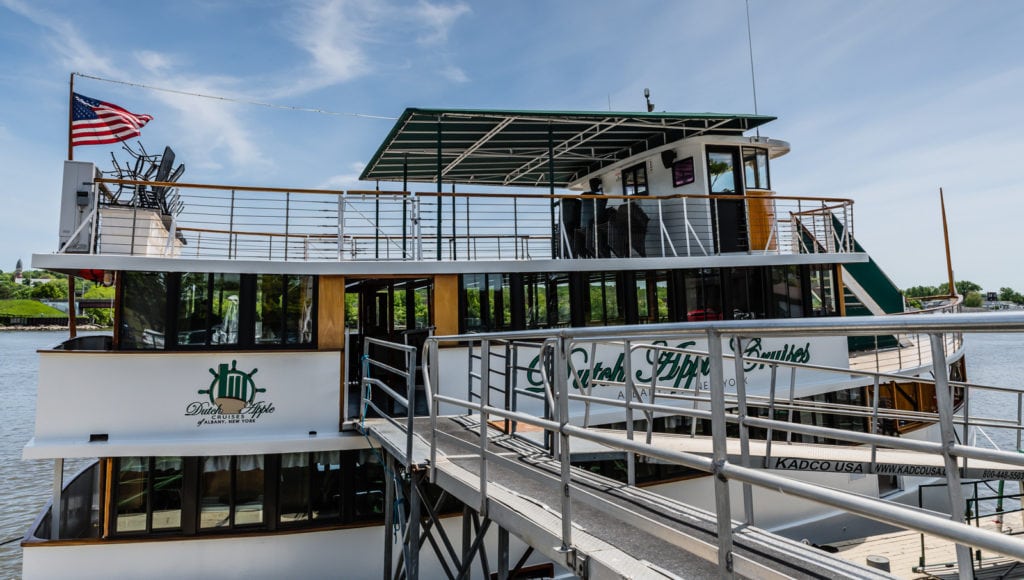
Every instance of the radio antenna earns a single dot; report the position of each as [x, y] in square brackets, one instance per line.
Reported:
[753, 82]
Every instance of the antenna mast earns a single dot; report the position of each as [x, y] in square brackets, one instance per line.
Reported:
[750, 47]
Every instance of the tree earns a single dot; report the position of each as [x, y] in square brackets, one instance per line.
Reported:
[973, 299]
[100, 316]
[52, 290]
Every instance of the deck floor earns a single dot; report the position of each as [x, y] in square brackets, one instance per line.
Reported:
[903, 550]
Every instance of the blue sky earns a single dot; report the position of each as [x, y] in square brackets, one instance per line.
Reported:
[883, 102]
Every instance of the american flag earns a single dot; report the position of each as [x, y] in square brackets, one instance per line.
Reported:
[96, 122]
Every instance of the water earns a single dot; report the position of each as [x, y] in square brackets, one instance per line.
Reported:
[992, 359]
[25, 486]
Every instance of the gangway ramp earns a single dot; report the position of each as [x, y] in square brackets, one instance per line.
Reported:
[618, 531]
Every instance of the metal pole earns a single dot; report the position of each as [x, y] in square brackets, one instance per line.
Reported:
[389, 515]
[58, 489]
[485, 400]
[948, 431]
[719, 454]
[562, 400]
[439, 185]
[287, 217]
[412, 561]
[630, 456]
[741, 407]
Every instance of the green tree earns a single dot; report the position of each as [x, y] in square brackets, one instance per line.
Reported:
[100, 316]
[973, 299]
[52, 290]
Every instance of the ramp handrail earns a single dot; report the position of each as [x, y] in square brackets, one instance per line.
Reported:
[559, 343]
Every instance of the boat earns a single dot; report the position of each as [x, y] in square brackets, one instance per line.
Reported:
[224, 411]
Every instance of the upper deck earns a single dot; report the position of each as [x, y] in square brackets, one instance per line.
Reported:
[655, 186]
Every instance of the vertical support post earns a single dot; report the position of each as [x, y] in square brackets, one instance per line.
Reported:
[875, 401]
[389, 517]
[719, 454]
[72, 318]
[231, 223]
[562, 401]
[412, 560]
[502, 553]
[435, 388]
[287, 216]
[341, 225]
[439, 185]
[376, 226]
[630, 456]
[58, 488]
[741, 407]
[485, 401]
[771, 416]
[405, 207]
[947, 429]
[551, 189]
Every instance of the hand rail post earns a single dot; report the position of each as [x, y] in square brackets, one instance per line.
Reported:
[719, 454]
[948, 432]
[741, 408]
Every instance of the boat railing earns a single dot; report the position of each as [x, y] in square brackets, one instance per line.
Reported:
[725, 405]
[250, 223]
[908, 350]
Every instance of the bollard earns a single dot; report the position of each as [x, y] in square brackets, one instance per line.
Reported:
[878, 563]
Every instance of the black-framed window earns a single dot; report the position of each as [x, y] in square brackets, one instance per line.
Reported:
[652, 296]
[191, 496]
[197, 311]
[148, 492]
[231, 492]
[143, 310]
[634, 180]
[603, 298]
[755, 168]
[824, 301]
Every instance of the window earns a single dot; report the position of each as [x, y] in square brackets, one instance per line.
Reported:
[823, 291]
[652, 296]
[231, 491]
[208, 309]
[755, 168]
[148, 492]
[196, 310]
[745, 293]
[487, 302]
[703, 295]
[310, 487]
[603, 299]
[284, 309]
[143, 310]
[787, 295]
[634, 180]
[722, 172]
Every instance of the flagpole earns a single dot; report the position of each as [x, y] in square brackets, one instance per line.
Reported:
[72, 322]
[71, 116]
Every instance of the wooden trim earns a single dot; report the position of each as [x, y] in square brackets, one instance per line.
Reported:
[446, 304]
[331, 313]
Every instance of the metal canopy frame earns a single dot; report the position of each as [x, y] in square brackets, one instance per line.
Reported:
[531, 148]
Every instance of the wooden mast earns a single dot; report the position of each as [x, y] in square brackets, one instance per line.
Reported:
[945, 235]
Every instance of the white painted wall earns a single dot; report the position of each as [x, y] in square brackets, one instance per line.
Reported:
[153, 396]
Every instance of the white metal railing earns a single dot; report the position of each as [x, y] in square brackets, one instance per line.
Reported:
[722, 408]
[226, 222]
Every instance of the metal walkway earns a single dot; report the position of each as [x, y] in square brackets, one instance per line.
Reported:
[618, 530]
[520, 477]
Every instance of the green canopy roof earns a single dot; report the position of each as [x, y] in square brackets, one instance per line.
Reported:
[512, 147]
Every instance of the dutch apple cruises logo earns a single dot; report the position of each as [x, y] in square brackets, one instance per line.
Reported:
[230, 398]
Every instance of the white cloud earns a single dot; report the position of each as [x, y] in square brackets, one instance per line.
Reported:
[438, 20]
[155, 62]
[345, 180]
[76, 54]
[455, 74]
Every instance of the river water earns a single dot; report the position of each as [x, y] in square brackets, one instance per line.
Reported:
[25, 486]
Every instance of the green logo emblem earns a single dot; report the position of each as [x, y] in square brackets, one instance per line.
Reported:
[231, 389]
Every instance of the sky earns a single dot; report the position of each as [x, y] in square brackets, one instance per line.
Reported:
[883, 102]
